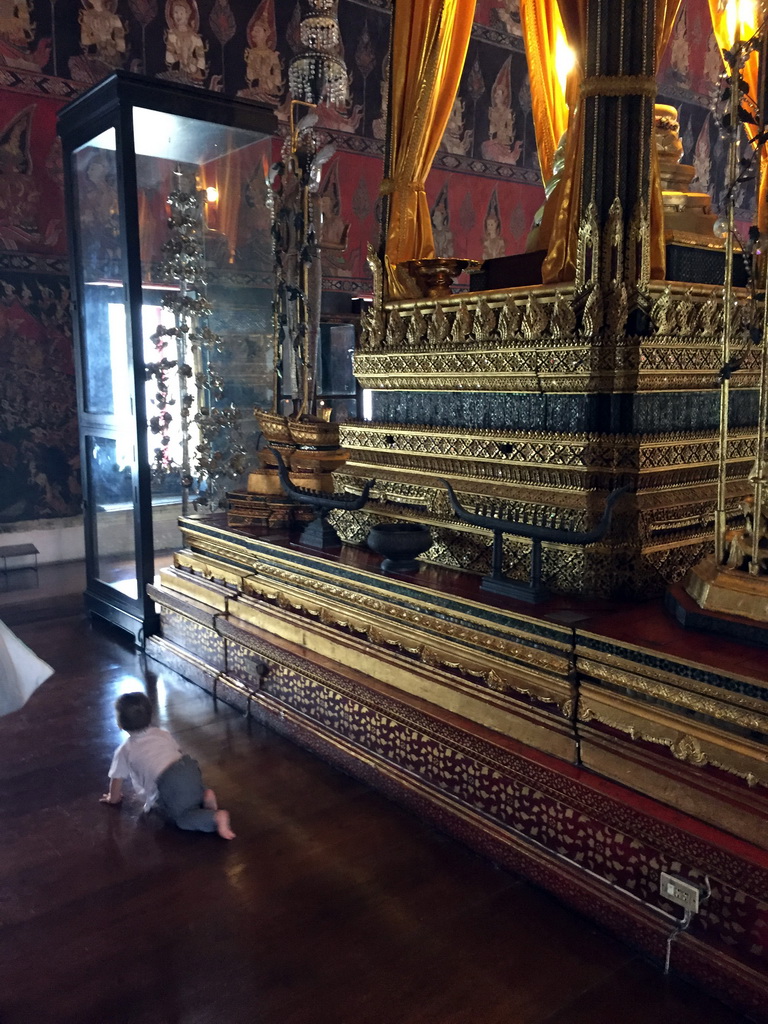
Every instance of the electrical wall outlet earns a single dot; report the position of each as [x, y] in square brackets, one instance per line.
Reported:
[677, 891]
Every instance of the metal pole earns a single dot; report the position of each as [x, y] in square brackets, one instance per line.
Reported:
[386, 200]
[760, 461]
[761, 465]
[725, 391]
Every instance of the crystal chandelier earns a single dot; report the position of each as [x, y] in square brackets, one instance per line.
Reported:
[318, 73]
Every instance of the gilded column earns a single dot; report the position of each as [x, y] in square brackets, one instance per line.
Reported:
[618, 96]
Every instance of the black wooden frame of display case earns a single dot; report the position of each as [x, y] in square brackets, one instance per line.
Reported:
[107, 105]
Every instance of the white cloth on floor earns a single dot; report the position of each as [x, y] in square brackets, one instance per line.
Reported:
[21, 671]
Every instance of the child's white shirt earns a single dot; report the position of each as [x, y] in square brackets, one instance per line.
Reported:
[142, 758]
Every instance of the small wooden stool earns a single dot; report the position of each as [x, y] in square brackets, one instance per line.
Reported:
[13, 551]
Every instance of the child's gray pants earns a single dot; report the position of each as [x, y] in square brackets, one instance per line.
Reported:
[180, 796]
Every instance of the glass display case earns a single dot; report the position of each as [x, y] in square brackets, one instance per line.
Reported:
[171, 263]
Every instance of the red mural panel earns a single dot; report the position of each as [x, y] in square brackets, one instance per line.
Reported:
[31, 176]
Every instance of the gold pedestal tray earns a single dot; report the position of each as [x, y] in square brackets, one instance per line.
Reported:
[273, 511]
[273, 426]
[720, 588]
[434, 277]
[314, 433]
[264, 481]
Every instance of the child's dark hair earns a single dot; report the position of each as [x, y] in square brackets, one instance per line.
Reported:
[134, 711]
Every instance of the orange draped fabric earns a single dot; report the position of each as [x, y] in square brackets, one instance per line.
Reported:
[429, 44]
[751, 72]
[666, 15]
[542, 25]
[560, 222]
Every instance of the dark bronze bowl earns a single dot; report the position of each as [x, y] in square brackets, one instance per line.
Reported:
[399, 543]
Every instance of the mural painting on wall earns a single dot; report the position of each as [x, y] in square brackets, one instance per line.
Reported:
[31, 192]
[39, 459]
[483, 190]
[244, 48]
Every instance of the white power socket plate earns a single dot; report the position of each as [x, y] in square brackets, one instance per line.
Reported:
[678, 891]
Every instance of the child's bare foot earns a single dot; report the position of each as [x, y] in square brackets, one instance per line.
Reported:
[209, 800]
[222, 825]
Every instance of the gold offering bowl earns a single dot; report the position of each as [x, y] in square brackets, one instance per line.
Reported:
[273, 427]
[435, 276]
[314, 433]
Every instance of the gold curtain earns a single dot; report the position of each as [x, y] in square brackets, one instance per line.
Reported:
[542, 25]
[429, 44]
[666, 15]
[751, 71]
[560, 222]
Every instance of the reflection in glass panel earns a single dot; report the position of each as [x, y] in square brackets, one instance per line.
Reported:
[98, 222]
[337, 346]
[215, 177]
[110, 486]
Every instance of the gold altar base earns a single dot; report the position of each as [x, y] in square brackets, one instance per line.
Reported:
[314, 468]
[721, 588]
[491, 356]
[655, 537]
[587, 746]
[264, 482]
[273, 511]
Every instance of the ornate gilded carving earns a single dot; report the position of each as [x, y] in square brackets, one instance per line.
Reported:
[710, 317]
[535, 319]
[616, 310]
[382, 621]
[630, 452]
[684, 747]
[510, 320]
[613, 246]
[704, 700]
[377, 273]
[417, 328]
[594, 312]
[484, 322]
[562, 319]
[462, 324]
[639, 247]
[397, 330]
[588, 249]
[439, 328]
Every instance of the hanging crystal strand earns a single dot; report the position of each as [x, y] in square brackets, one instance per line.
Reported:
[318, 74]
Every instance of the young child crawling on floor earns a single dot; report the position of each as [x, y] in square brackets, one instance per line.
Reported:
[168, 780]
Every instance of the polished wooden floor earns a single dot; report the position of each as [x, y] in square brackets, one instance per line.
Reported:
[332, 906]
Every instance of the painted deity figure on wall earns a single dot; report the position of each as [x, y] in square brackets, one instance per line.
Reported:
[19, 196]
[713, 62]
[501, 144]
[456, 139]
[702, 159]
[254, 229]
[102, 33]
[679, 49]
[441, 225]
[333, 228]
[507, 14]
[16, 25]
[493, 241]
[16, 33]
[184, 46]
[379, 125]
[263, 69]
